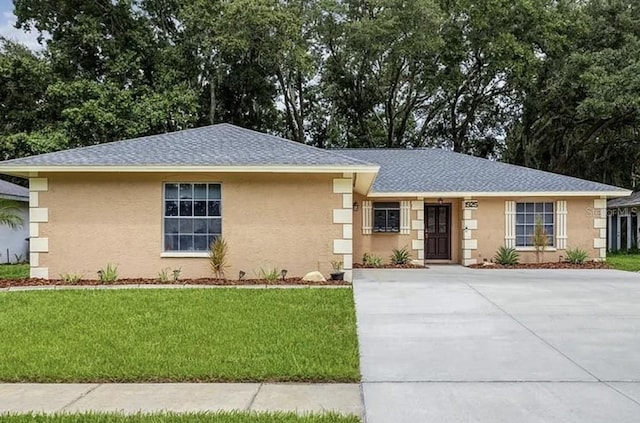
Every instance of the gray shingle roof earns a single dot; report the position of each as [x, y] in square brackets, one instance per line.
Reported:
[632, 200]
[9, 190]
[437, 170]
[215, 145]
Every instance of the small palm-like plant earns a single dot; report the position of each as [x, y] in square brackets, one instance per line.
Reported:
[9, 214]
[506, 256]
[577, 256]
[218, 251]
[70, 278]
[400, 256]
[270, 275]
[108, 274]
[371, 260]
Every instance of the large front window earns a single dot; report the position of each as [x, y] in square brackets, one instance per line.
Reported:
[386, 217]
[192, 216]
[526, 216]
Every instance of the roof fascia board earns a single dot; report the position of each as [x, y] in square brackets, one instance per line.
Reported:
[609, 194]
[19, 198]
[184, 169]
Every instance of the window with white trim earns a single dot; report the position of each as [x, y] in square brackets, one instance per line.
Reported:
[192, 214]
[526, 216]
[386, 217]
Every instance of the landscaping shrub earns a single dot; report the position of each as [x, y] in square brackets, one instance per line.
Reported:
[577, 256]
[400, 256]
[506, 256]
[371, 260]
[70, 277]
[218, 251]
[108, 274]
[337, 266]
[540, 238]
[176, 274]
[163, 276]
[270, 275]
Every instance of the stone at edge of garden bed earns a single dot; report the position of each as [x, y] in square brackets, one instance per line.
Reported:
[7, 283]
[548, 265]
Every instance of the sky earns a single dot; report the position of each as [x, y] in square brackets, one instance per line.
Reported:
[8, 19]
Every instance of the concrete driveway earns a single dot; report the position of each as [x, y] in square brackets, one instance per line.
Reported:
[451, 344]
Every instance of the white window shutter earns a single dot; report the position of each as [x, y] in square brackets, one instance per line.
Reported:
[561, 225]
[367, 217]
[405, 217]
[510, 224]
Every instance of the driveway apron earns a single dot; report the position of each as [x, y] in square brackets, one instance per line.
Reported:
[451, 344]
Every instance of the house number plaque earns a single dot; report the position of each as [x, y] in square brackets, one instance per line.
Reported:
[471, 204]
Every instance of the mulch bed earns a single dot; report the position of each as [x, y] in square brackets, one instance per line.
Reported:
[551, 265]
[7, 283]
[389, 266]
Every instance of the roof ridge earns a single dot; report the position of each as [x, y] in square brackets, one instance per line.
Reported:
[217, 144]
[454, 165]
[297, 143]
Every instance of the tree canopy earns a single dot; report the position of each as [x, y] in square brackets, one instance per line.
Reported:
[550, 84]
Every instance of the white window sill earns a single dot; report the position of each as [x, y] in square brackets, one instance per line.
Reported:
[186, 254]
[548, 249]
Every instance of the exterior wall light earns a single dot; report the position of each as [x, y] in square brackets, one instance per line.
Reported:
[355, 206]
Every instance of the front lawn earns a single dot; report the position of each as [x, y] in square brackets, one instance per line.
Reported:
[14, 271]
[234, 417]
[623, 261]
[166, 335]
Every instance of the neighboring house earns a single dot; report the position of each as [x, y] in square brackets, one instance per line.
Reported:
[157, 202]
[624, 231]
[14, 245]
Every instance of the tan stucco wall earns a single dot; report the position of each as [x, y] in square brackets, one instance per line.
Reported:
[382, 244]
[269, 220]
[491, 227]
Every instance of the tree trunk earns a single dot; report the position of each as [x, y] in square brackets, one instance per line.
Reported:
[212, 103]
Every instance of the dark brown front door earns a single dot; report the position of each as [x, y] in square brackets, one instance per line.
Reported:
[437, 232]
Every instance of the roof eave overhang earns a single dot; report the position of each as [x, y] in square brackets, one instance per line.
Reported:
[19, 198]
[27, 171]
[474, 194]
[364, 175]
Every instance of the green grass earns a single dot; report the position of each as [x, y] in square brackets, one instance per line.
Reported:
[623, 261]
[14, 271]
[226, 417]
[178, 335]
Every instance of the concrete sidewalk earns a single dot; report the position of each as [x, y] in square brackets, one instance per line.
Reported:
[164, 286]
[179, 397]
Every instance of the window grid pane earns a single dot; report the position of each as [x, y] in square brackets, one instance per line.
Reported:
[192, 216]
[526, 216]
[386, 217]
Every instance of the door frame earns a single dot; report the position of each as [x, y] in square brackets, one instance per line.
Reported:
[449, 231]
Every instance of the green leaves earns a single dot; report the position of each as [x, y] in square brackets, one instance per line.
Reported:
[581, 117]
[9, 214]
[506, 256]
[548, 84]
